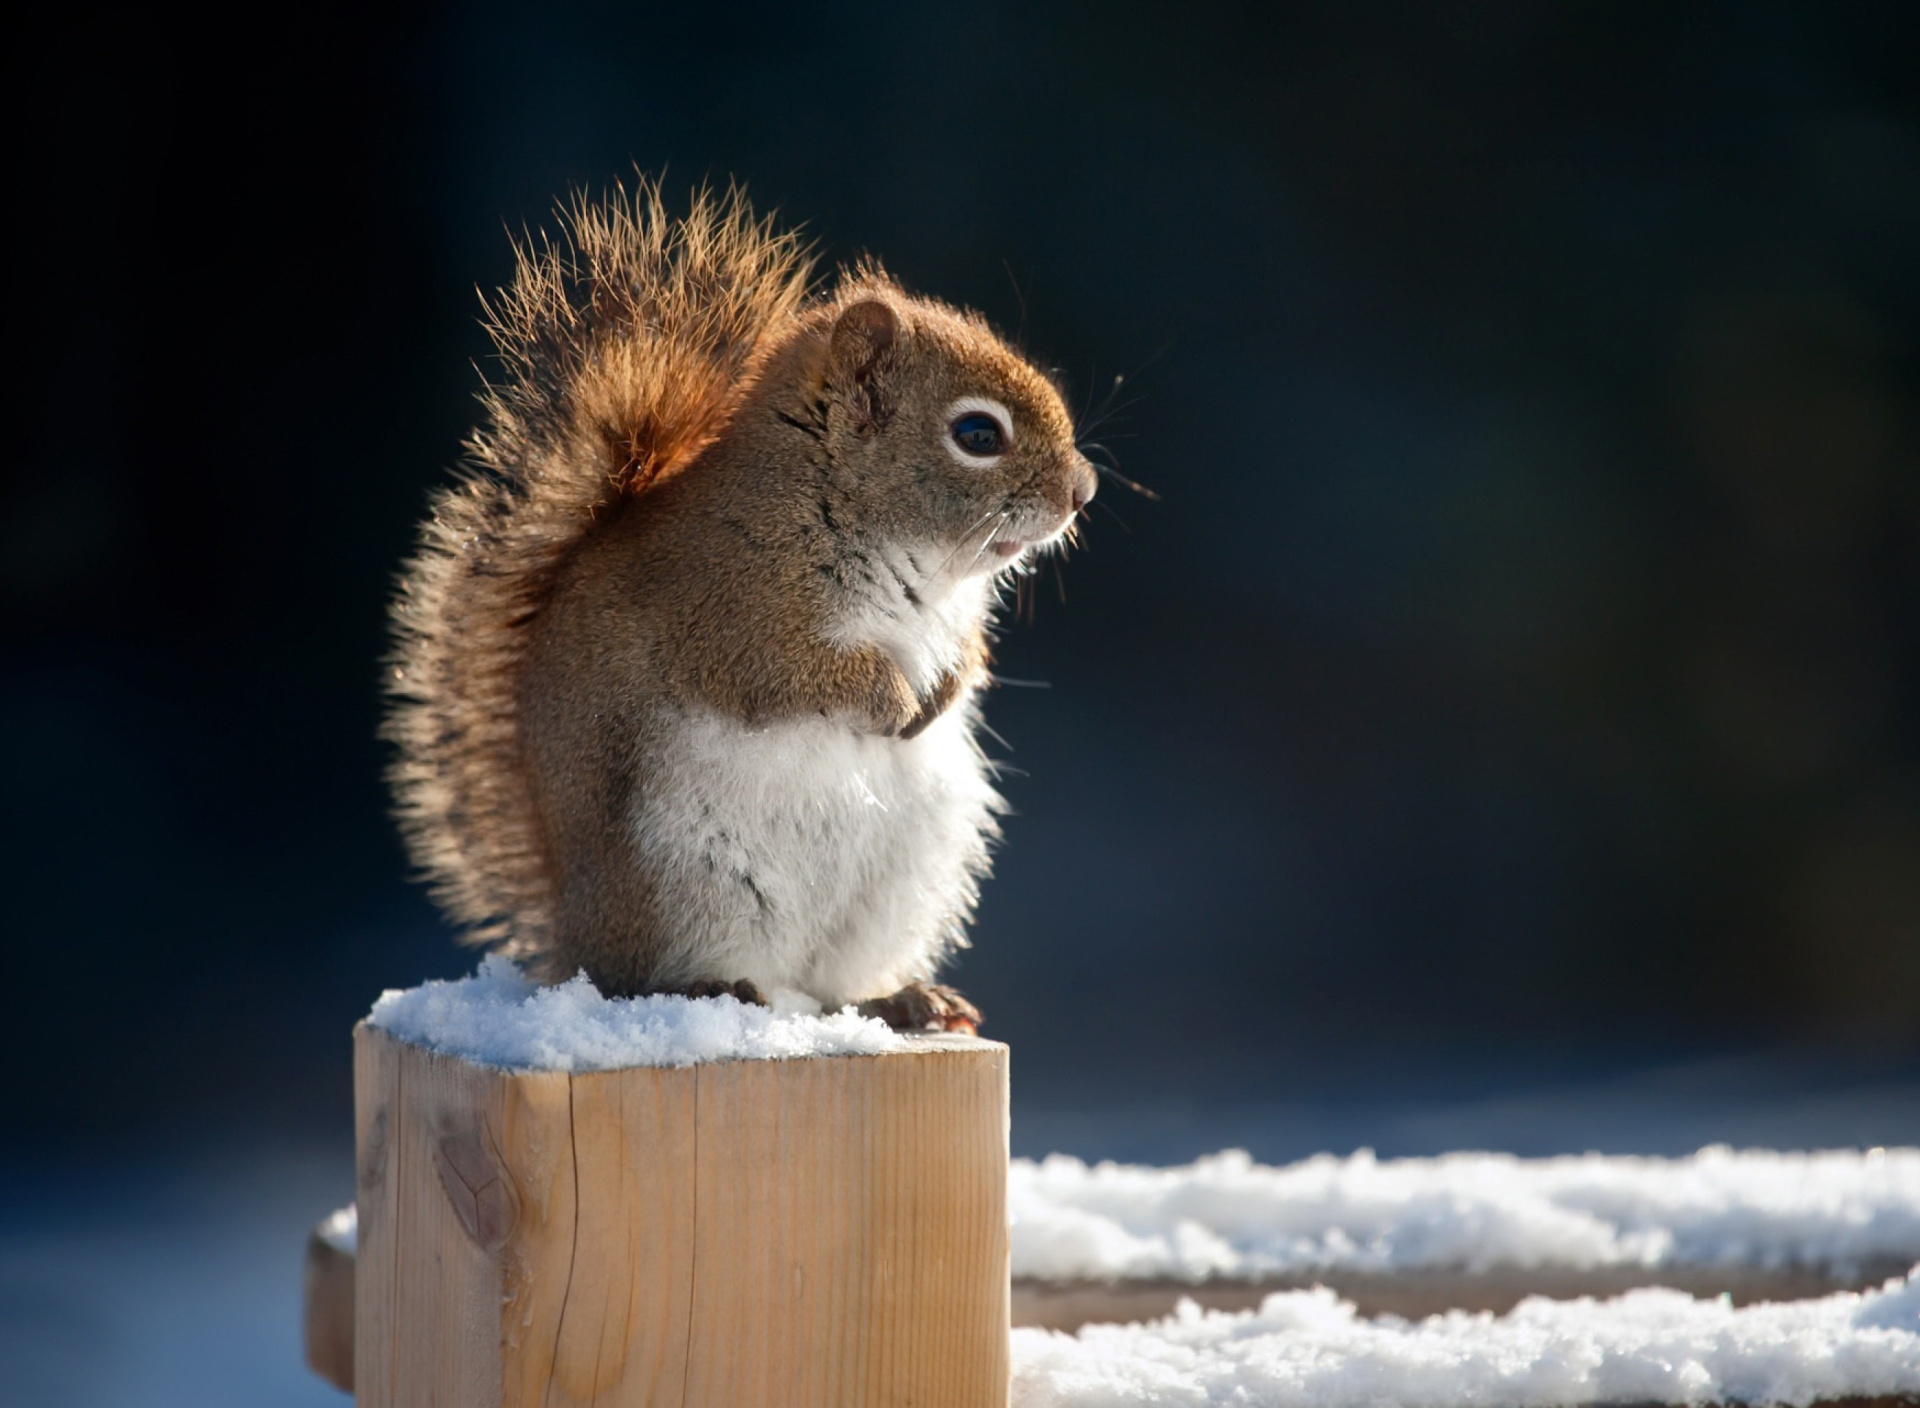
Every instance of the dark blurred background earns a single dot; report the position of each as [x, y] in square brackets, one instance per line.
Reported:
[1516, 691]
[1523, 664]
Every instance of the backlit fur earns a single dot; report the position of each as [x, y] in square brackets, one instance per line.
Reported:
[686, 662]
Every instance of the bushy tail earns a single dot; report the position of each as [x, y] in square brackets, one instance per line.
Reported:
[626, 342]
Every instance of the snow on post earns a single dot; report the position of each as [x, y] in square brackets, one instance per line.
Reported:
[565, 1199]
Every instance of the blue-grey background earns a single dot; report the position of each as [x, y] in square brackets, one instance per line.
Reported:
[1504, 731]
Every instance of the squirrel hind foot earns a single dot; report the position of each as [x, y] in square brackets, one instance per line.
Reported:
[923, 1007]
[743, 991]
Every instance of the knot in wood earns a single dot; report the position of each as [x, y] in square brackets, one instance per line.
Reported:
[477, 1184]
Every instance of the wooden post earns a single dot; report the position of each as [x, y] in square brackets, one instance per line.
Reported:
[828, 1231]
[329, 1299]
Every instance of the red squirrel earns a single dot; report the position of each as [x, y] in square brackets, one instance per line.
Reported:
[688, 660]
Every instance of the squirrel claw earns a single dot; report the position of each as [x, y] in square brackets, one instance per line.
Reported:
[923, 1007]
[742, 991]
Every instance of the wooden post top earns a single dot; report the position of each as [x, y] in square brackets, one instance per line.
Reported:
[912, 1044]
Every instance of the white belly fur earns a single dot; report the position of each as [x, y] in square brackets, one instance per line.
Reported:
[809, 855]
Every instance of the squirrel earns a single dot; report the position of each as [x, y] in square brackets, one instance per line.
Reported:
[687, 660]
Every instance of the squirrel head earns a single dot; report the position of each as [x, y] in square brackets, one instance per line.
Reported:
[939, 433]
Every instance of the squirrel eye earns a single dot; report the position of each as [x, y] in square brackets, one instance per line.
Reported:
[978, 433]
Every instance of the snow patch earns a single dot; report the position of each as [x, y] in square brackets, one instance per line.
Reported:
[341, 1229]
[499, 1017]
[1311, 1349]
[1226, 1216]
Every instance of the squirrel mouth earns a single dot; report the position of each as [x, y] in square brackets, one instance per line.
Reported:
[1001, 551]
[1023, 534]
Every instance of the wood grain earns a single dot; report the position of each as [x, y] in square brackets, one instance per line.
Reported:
[813, 1232]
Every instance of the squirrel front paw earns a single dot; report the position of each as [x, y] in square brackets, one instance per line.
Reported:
[924, 1007]
[894, 711]
[945, 691]
[882, 698]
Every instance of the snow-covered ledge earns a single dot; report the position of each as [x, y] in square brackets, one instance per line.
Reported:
[1308, 1349]
[1226, 1216]
[1464, 1231]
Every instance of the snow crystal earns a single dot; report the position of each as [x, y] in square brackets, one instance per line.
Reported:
[1649, 1346]
[1225, 1215]
[498, 1017]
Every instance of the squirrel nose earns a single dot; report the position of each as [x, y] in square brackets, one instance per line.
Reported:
[1085, 482]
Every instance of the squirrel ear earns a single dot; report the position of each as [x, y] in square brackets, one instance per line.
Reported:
[862, 335]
